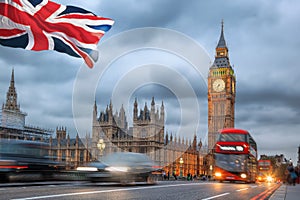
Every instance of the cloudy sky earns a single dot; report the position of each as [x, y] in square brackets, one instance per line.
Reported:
[140, 62]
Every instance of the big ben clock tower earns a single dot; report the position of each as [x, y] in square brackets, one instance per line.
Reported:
[221, 92]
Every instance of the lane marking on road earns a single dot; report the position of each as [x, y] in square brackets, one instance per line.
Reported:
[213, 197]
[267, 193]
[106, 191]
[242, 189]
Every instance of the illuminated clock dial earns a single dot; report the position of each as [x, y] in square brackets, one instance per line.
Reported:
[218, 85]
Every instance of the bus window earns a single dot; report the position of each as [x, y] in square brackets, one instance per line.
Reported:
[231, 162]
[232, 137]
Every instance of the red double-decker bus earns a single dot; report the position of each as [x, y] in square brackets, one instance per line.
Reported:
[235, 156]
[265, 171]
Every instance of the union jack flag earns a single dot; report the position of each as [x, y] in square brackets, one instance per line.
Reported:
[45, 25]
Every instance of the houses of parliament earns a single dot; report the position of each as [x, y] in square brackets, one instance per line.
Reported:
[147, 134]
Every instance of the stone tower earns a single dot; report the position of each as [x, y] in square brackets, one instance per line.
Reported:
[221, 92]
[11, 96]
[11, 115]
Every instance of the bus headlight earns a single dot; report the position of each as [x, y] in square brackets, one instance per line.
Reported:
[243, 175]
[218, 174]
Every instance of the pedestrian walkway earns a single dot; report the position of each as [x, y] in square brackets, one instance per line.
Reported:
[287, 192]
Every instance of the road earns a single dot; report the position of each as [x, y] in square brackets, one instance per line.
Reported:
[175, 190]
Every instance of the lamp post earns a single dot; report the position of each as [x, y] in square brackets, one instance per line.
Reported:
[101, 147]
[210, 172]
[180, 162]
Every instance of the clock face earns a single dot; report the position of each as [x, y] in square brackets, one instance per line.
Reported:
[218, 85]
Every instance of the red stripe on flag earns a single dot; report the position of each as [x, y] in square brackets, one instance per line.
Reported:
[82, 16]
[17, 2]
[37, 24]
[14, 14]
[83, 54]
[10, 32]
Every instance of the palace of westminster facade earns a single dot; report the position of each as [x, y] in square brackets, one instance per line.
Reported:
[147, 134]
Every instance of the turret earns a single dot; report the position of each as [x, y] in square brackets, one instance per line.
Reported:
[11, 96]
[110, 113]
[122, 118]
[61, 133]
[68, 140]
[221, 57]
[95, 113]
[195, 142]
[200, 144]
[135, 110]
[221, 49]
[167, 139]
[162, 112]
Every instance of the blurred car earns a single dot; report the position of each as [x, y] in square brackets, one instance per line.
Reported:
[122, 167]
[23, 157]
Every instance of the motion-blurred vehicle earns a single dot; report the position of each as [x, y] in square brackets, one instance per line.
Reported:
[265, 171]
[265, 178]
[23, 157]
[122, 167]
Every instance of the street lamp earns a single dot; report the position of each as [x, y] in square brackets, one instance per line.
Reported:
[101, 147]
[180, 162]
[210, 172]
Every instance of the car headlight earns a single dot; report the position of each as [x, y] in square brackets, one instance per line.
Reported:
[243, 175]
[218, 174]
[88, 169]
[117, 169]
[269, 178]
